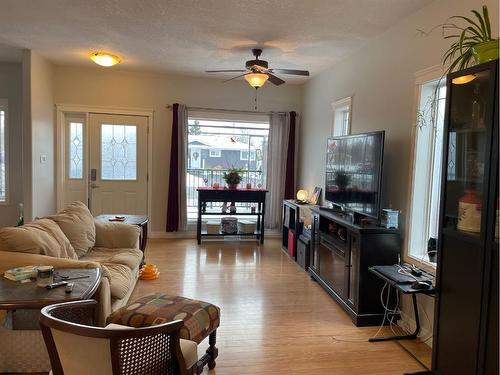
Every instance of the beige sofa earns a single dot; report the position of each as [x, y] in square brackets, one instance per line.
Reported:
[68, 239]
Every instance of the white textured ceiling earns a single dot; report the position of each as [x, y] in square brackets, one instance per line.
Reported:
[190, 36]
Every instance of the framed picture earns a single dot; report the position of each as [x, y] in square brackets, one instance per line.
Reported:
[315, 195]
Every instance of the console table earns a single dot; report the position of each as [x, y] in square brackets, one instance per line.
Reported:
[208, 194]
[341, 253]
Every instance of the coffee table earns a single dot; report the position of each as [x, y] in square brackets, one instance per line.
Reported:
[15, 295]
[139, 220]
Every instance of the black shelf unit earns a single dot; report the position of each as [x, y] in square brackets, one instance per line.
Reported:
[341, 253]
[207, 195]
[466, 312]
[293, 226]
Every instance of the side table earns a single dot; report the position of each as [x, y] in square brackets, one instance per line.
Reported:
[139, 220]
[22, 347]
[15, 295]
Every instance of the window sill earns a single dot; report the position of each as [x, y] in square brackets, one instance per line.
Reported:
[420, 263]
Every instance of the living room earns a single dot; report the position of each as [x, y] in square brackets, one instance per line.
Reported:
[275, 317]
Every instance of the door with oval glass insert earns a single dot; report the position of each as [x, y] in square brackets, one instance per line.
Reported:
[118, 164]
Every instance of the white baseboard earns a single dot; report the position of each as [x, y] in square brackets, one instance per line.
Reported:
[192, 235]
[408, 324]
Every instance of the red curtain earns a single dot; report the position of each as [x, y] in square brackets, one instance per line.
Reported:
[173, 181]
[290, 160]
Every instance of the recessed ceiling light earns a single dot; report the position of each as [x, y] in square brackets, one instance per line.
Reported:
[104, 59]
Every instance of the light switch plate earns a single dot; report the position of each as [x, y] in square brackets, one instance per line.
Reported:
[43, 159]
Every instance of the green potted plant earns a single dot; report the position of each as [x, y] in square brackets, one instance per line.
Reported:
[472, 40]
[233, 177]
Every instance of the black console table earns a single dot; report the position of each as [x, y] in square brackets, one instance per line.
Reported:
[342, 252]
[208, 194]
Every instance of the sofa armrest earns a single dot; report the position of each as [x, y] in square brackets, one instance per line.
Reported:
[12, 259]
[116, 235]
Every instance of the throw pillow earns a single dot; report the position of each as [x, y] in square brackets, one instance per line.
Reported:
[77, 223]
[41, 236]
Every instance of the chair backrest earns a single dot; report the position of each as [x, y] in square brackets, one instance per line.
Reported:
[76, 348]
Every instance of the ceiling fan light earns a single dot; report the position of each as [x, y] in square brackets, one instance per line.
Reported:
[256, 80]
[104, 59]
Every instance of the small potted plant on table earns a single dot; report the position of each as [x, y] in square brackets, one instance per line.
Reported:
[233, 177]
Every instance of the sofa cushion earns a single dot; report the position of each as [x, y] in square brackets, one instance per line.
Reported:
[77, 223]
[41, 236]
[121, 279]
[128, 257]
[120, 264]
[116, 235]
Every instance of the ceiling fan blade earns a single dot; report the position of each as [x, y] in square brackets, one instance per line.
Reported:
[291, 71]
[275, 80]
[226, 71]
[238, 76]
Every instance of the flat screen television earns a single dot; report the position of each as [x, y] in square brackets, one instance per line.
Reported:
[354, 172]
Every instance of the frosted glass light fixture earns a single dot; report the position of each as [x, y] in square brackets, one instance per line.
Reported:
[256, 80]
[104, 59]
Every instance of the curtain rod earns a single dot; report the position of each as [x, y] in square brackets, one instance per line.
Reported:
[169, 106]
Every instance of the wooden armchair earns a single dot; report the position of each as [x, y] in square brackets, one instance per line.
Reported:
[75, 347]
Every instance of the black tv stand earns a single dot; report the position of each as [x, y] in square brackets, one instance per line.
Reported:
[341, 252]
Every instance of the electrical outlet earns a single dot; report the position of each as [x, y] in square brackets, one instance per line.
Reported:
[43, 159]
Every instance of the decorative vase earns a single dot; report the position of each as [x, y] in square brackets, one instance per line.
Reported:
[232, 186]
[486, 51]
[469, 212]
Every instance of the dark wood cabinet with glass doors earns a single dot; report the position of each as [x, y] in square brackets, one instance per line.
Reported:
[466, 316]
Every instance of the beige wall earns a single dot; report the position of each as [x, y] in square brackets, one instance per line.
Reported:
[381, 78]
[116, 88]
[42, 136]
[11, 89]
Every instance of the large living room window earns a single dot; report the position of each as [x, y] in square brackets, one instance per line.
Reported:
[219, 141]
[3, 151]
[427, 166]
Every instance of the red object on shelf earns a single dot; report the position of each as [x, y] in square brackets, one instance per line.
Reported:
[291, 243]
[471, 197]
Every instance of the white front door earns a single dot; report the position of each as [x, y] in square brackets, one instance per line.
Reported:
[118, 164]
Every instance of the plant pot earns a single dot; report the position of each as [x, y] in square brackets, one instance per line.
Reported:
[486, 51]
[232, 186]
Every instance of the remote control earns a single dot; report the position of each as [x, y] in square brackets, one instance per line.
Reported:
[56, 285]
[69, 287]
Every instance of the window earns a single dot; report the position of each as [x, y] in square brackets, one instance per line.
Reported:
[219, 141]
[427, 166]
[244, 155]
[118, 152]
[3, 151]
[75, 133]
[342, 116]
[215, 153]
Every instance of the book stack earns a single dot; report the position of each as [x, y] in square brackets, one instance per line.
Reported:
[20, 273]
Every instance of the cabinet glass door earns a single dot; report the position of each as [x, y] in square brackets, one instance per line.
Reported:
[469, 135]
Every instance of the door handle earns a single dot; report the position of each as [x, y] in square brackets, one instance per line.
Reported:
[93, 185]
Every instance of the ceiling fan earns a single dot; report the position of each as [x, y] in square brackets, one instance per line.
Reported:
[257, 72]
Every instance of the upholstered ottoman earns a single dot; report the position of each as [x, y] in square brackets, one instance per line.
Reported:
[201, 319]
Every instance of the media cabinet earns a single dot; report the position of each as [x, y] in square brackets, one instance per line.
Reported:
[341, 253]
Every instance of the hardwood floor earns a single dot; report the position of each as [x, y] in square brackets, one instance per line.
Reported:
[274, 318]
